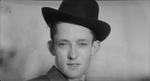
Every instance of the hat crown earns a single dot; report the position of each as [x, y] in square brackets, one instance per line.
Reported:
[80, 8]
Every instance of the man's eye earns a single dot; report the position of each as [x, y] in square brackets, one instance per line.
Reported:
[62, 44]
[83, 44]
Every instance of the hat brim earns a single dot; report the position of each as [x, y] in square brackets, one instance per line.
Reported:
[100, 28]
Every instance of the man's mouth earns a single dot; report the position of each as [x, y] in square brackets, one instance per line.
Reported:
[73, 65]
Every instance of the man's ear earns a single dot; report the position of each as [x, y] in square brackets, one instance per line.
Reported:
[50, 45]
[95, 47]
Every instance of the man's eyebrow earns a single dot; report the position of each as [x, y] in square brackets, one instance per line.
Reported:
[63, 40]
[83, 40]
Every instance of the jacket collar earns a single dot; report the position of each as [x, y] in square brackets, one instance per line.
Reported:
[55, 75]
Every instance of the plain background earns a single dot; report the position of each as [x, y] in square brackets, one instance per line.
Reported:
[124, 55]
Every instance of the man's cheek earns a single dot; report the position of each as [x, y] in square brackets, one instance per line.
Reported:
[85, 52]
[61, 59]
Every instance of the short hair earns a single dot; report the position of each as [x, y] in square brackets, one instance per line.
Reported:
[53, 30]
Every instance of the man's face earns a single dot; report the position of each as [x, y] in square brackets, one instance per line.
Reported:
[73, 48]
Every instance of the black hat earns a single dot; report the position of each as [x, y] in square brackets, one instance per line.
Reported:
[81, 12]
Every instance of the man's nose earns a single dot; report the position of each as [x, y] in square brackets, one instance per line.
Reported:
[73, 54]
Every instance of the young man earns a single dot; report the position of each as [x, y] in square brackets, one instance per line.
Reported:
[76, 34]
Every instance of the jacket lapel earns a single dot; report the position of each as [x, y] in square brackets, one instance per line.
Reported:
[55, 75]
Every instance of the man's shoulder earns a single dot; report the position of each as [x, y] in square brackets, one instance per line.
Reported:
[40, 78]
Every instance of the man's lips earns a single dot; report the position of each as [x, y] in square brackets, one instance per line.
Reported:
[73, 64]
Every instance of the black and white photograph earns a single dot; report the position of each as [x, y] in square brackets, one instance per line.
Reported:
[74, 40]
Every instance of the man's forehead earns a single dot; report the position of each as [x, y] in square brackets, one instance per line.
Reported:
[68, 31]
[71, 26]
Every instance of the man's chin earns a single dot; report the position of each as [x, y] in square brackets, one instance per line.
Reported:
[74, 75]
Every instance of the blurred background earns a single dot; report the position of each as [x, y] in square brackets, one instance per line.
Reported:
[123, 56]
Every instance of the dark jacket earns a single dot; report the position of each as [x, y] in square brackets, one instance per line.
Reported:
[53, 75]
